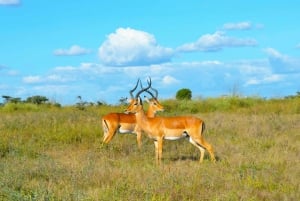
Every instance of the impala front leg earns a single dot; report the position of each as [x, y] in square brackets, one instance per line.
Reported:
[139, 138]
[158, 149]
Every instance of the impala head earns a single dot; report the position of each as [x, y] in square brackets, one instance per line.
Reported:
[154, 104]
[135, 106]
[136, 103]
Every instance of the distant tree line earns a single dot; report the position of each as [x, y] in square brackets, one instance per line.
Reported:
[32, 99]
[182, 94]
[293, 96]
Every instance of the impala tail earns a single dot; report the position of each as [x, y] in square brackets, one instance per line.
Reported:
[203, 127]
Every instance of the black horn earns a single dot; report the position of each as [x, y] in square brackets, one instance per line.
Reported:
[149, 92]
[132, 90]
[156, 92]
[144, 89]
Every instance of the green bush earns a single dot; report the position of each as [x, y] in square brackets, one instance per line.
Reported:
[184, 94]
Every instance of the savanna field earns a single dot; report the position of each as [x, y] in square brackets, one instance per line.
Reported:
[56, 153]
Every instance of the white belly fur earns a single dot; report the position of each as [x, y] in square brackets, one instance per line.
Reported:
[123, 131]
[176, 137]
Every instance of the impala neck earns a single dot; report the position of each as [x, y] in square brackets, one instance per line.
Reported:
[141, 117]
[150, 112]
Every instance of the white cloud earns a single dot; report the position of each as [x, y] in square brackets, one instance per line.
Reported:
[52, 78]
[85, 68]
[252, 81]
[241, 26]
[205, 78]
[237, 26]
[130, 47]
[216, 42]
[10, 2]
[275, 54]
[281, 63]
[32, 79]
[72, 51]
[265, 80]
[168, 80]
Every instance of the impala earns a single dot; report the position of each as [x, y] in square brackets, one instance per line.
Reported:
[126, 123]
[169, 128]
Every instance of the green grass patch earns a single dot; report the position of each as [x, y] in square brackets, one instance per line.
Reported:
[51, 153]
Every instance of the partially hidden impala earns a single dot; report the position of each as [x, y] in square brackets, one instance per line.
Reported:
[113, 123]
[169, 128]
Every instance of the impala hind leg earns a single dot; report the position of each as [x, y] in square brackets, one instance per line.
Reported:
[108, 131]
[208, 147]
[201, 149]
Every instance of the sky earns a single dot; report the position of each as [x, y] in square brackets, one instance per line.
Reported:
[98, 49]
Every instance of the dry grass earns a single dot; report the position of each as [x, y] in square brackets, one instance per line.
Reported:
[56, 154]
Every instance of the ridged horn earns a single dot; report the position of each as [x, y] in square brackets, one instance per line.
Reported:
[132, 90]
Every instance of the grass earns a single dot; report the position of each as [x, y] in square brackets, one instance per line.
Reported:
[50, 153]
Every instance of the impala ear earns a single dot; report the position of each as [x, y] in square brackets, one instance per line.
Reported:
[146, 99]
[140, 101]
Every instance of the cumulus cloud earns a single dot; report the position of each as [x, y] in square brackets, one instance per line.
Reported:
[72, 51]
[130, 47]
[10, 2]
[216, 42]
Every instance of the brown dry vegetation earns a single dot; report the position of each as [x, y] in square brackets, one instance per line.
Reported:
[51, 153]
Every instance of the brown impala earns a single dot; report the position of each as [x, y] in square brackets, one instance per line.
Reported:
[169, 128]
[126, 123]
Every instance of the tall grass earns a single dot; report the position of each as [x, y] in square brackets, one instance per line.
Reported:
[233, 104]
[50, 153]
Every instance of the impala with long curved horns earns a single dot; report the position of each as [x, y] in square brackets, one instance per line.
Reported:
[126, 123]
[170, 128]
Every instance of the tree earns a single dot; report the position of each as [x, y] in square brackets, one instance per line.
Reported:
[123, 100]
[37, 99]
[9, 99]
[6, 98]
[15, 100]
[184, 94]
[80, 105]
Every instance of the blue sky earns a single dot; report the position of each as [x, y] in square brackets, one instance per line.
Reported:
[98, 49]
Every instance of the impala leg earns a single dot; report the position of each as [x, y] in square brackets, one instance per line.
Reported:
[105, 132]
[208, 147]
[138, 137]
[160, 145]
[158, 150]
[201, 149]
[108, 136]
[109, 132]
